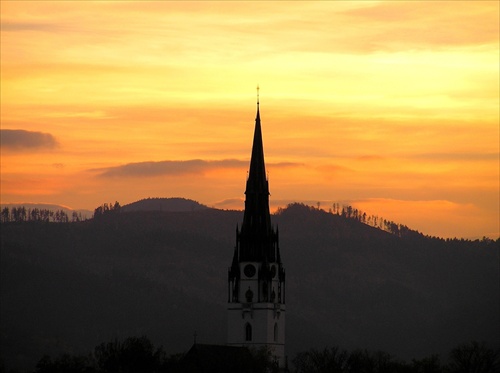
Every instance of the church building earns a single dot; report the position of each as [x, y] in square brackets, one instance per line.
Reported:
[256, 278]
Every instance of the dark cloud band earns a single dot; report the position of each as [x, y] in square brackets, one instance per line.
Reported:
[26, 140]
[142, 169]
[174, 168]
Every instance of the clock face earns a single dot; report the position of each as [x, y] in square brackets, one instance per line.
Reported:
[273, 271]
[249, 270]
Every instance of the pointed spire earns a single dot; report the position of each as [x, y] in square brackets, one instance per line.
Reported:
[256, 229]
[257, 179]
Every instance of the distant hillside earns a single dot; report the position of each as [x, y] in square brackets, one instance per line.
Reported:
[86, 214]
[67, 287]
[164, 204]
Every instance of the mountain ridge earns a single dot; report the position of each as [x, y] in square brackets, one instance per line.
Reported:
[181, 204]
[69, 286]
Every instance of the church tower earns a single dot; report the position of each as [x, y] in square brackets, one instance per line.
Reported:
[256, 278]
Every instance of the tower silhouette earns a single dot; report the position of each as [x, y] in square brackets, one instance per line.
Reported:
[256, 278]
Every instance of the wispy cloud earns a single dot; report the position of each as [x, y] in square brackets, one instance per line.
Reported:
[370, 158]
[394, 24]
[26, 140]
[29, 26]
[458, 156]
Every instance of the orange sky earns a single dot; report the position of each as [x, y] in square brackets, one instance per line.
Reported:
[390, 106]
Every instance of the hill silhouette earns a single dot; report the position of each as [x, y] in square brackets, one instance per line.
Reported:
[69, 286]
[175, 204]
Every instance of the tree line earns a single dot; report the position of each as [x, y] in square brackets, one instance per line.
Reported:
[375, 221]
[107, 209]
[23, 214]
[138, 354]
[389, 226]
[351, 213]
[473, 357]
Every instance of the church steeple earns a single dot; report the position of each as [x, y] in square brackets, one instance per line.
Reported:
[256, 278]
[257, 239]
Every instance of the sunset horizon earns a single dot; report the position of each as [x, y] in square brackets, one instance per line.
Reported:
[390, 107]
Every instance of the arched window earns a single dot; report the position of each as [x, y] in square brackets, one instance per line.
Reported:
[275, 332]
[248, 332]
[264, 291]
[249, 295]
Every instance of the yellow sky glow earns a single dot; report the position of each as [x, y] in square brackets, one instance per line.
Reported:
[390, 106]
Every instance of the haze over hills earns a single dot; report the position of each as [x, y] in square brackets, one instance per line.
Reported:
[69, 286]
[146, 204]
[86, 214]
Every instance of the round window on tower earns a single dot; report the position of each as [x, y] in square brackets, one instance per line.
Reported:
[249, 270]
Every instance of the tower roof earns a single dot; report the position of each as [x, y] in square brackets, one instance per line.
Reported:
[257, 239]
[257, 180]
